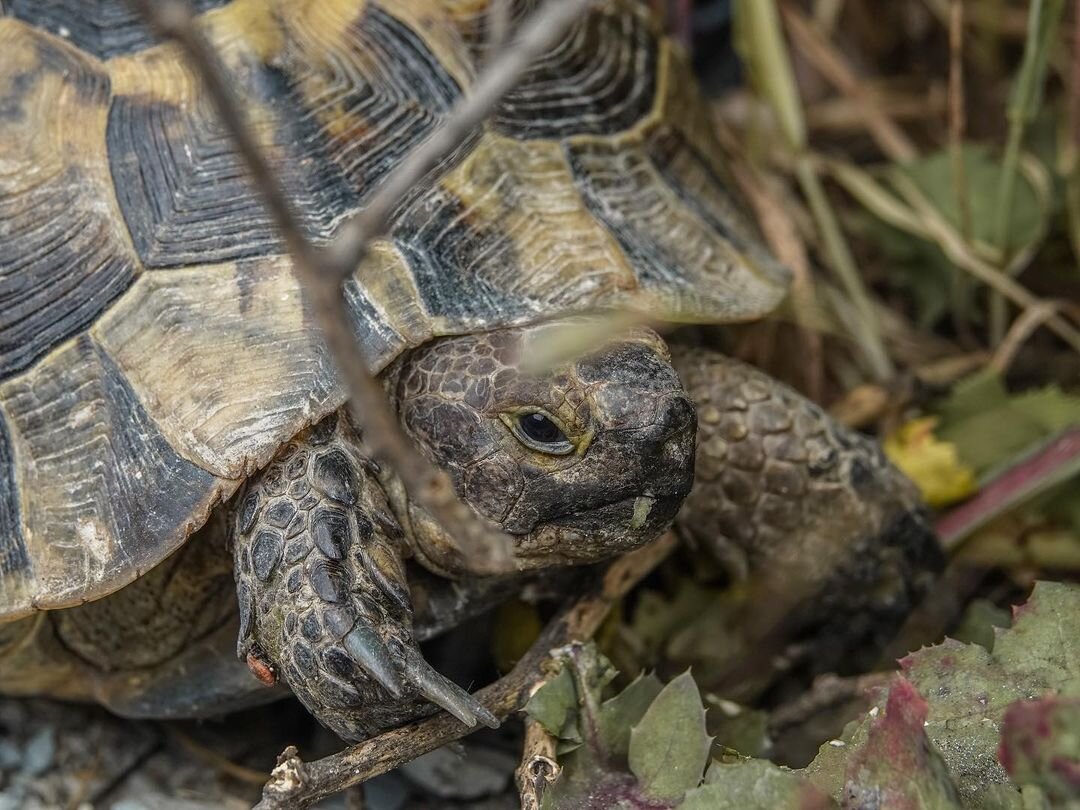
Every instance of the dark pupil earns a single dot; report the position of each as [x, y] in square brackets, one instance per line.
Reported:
[541, 429]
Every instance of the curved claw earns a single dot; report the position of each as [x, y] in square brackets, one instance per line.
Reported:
[373, 656]
[445, 693]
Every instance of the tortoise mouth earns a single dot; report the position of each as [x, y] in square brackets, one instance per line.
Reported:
[598, 533]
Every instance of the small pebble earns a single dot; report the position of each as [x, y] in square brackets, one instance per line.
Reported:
[40, 752]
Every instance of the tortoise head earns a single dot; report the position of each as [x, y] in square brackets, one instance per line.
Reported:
[582, 461]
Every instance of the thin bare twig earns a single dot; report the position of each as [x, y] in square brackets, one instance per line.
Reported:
[497, 22]
[322, 271]
[297, 784]
[539, 767]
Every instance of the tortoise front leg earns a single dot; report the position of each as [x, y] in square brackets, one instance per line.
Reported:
[828, 542]
[322, 590]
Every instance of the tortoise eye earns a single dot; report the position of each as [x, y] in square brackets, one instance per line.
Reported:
[539, 431]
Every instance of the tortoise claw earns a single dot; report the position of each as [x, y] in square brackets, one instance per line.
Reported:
[445, 693]
[373, 656]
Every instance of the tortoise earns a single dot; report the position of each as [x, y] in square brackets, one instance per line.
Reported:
[183, 500]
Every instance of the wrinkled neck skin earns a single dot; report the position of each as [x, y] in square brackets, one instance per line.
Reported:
[614, 467]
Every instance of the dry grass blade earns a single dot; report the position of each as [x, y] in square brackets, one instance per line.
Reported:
[760, 40]
[917, 215]
[483, 550]
[297, 784]
[831, 64]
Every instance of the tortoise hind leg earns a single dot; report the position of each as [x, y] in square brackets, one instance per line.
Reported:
[322, 590]
[159, 647]
[829, 542]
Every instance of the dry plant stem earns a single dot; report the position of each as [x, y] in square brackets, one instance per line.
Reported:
[539, 768]
[322, 271]
[214, 759]
[826, 13]
[758, 30]
[827, 692]
[863, 327]
[919, 216]
[957, 128]
[1022, 328]
[297, 784]
[960, 254]
[831, 64]
[782, 234]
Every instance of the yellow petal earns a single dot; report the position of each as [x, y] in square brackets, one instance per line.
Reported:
[933, 465]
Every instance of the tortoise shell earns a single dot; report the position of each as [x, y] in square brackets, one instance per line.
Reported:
[155, 348]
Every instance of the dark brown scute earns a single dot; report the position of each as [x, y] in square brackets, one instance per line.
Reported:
[601, 80]
[389, 111]
[13, 555]
[118, 487]
[104, 28]
[181, 184]
[463, 268]
[63, 261]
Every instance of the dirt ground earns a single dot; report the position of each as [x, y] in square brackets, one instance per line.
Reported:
[55, 755]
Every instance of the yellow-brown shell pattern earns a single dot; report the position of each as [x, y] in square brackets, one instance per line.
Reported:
[154, 346]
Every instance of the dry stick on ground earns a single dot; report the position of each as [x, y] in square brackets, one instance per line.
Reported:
[323, 270]
[297, 784]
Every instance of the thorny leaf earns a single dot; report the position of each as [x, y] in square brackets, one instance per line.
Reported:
[978, 622]
[755, 784]
[968, 689]
[1040, 745]
[738, 728]
[898, 766]
[932, 464]
[669, 747]
[641, 749]
[621, 713]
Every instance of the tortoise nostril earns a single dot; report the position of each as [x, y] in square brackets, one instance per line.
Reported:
[675, 415]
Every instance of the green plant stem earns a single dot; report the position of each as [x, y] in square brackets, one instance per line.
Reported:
[1002, 216]
[843, 265]
[1044, 21]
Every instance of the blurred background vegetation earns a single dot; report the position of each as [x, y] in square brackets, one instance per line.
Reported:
[916, 163]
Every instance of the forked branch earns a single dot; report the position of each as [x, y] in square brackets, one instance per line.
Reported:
[323, 270]
[297, 784]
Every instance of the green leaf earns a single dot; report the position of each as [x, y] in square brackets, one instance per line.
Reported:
[978, 622]
[554, 705]
[934, 176]
[968, 689]
[755, 784]
[738, 728]
[622, 712]
[991, 428]
[1040, 745]
[898, 766]
[669, 747]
